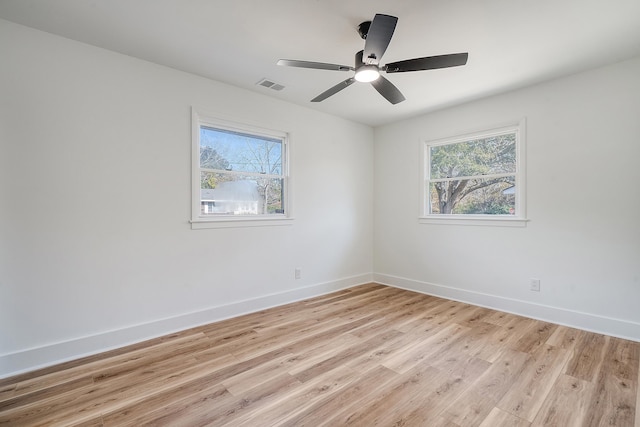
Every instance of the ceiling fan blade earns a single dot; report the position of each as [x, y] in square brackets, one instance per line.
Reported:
[335, 89]
[388, 90]
[427, 63]
[378, 38]
[314, 65]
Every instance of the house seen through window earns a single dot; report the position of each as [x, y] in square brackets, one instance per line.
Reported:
[477, 175]
[241, 171]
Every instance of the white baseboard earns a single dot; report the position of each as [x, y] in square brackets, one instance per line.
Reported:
[48, 355]
[576, 319]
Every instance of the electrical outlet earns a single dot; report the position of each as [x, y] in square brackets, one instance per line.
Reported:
[534, 285]
[298, 273]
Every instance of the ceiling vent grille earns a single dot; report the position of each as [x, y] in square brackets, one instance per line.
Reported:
[269, 84]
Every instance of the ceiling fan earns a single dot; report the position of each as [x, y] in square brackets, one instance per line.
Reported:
[377, 35]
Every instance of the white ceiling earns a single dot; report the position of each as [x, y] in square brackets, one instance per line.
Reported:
[511, 43]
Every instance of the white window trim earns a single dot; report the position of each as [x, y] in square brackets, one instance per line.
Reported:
[231, 221]
[519, 220]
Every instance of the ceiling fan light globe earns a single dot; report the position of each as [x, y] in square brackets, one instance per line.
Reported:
[367, 73]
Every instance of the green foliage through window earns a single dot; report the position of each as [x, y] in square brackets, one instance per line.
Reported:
[476, 176]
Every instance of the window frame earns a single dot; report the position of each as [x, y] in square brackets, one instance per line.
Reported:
[519, 219]
[199, 221]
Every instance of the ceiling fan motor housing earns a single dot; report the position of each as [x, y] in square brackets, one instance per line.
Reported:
[363, 29]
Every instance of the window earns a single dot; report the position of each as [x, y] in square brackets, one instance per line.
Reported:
[239, 173]
[475, 177]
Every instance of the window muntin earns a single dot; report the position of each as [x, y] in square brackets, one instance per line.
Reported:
[240, 172]
[475, 176]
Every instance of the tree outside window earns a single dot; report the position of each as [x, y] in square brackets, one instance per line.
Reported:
[474, 175]
[241, 171]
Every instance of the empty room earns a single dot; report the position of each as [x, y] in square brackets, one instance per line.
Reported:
[319, 213]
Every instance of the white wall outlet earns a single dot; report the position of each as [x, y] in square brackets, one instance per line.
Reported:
[298, 273]
[534, 285]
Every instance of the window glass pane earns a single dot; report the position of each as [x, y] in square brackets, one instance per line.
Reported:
[493, 155]
[234, 194]
[227, 150]
[474, 196]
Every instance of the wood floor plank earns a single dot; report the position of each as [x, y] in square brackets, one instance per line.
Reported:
[7, 391]
[268, 340]
[243, 382]
[467, 367]
[476, 403]
[201, 411]
[424, 324]
[426, 407]
[499, 418]
[345, 355]
[306, 357]
[378, 356]
[469, 409]
[613, 402]
[567, 404]
[448, 312]
[368, 355]
[379, 304]
[22, 400]
[565, 337]
[501, 318]
[588, 357]
[307, 395]
[529, 391]
[475, 316]
[473, 342]
[343, 399]
[402, 391]
[304, 342]
[394, 315]
[422, 349]
[176, 400]
[535, 337]
[344, 296]
[509, 334]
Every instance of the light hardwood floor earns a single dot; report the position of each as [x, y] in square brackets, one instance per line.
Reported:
[369, 355]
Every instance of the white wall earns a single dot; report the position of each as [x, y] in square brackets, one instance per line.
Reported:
[583, 202]
[96, 250]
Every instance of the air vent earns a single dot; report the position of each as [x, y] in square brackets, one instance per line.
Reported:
[269, 84]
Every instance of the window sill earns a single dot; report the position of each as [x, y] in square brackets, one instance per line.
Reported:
[504, 221]
[231, 222]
